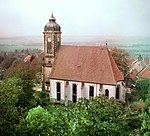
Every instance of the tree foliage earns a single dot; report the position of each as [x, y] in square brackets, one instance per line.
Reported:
[120, 57]
[7, 62]
[39, 121]
[143, 86]
[99, 116]
[145, 126]
[27, 75]
[15, 101]
[21, 70]
[10, 91]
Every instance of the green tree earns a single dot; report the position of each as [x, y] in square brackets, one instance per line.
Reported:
[145, 126]
[41, 98]
[100, 116]
[14, 104]
[141, 104]
[21, 70]
[7, 62]
[143, 86]
[27, 75]
[120, 57]
[38, 122]
[10, 91]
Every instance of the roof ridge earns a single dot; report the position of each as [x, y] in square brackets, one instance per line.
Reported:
[111, 64]
[89, 46]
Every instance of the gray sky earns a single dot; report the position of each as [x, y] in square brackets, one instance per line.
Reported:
[76, 17]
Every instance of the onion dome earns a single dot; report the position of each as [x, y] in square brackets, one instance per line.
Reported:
[52, 25]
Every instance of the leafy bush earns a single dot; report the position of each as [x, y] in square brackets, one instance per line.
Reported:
[100, 116]
[143, 86]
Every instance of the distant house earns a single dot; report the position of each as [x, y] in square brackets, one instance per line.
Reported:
[145, 73]
[72, 72]
[138, 64]
[137, 67]
[131, 78]
[29, 58]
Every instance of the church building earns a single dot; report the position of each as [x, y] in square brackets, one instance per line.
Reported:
[73, 72]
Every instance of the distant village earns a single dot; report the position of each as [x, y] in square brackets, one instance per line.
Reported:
[11, 59]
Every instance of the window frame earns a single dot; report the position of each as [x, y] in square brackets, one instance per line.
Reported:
[107, 93]
[118, 92]
[91, 91]
[74, 93]
[58, 91]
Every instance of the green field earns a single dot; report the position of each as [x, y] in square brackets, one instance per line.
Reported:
[134, 45]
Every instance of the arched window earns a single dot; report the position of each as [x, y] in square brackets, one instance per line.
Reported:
[107, 92]
[118, 92]
[48, 45]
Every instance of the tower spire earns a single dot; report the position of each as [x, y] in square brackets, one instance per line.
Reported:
[52, 17]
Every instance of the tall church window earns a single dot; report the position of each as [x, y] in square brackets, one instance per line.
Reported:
[58, 87]
[74, 92]
[107, 92]
[49, 45]
[91, 91]
[118, 92]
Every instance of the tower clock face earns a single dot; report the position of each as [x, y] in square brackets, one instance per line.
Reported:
[49, 39]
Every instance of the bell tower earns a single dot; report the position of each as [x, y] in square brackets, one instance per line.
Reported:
[52, 42]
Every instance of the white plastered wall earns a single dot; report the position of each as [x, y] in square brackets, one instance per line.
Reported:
[83, 90]
[122, 91]
[112, 90]
[53, 90]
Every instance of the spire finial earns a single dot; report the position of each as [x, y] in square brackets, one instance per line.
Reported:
[52, 17]
[106, 43]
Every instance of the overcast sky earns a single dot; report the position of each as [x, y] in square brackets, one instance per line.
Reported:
[76, 17]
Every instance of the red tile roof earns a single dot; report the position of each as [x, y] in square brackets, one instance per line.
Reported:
[35, 62]
[146, 73]
[92, 64]
[27, 58]
[130, 61]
